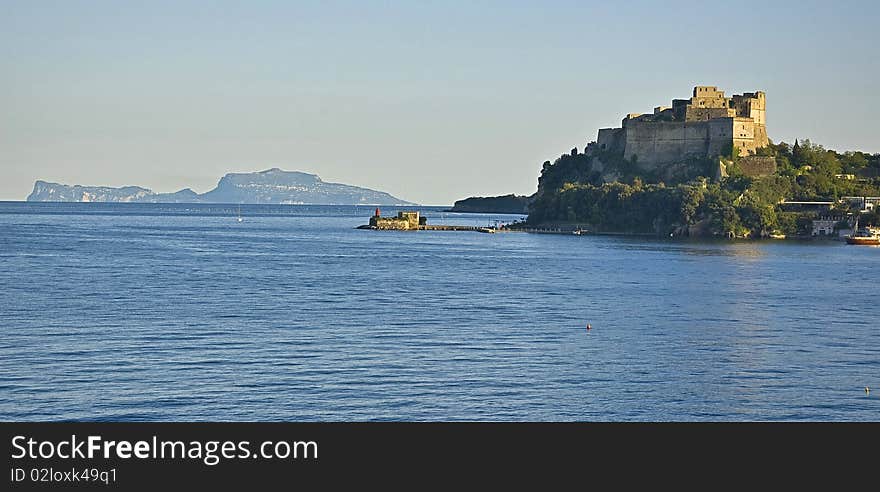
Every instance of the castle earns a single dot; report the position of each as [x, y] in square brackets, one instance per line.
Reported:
[705, 126]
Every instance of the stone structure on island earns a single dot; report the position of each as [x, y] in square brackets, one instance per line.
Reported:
[708, 125]
[405, 221]
[413, 221]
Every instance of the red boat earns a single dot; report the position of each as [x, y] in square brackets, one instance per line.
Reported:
[869, 236]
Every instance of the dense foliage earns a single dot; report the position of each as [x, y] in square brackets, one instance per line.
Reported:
[506, 204]
[572, 190]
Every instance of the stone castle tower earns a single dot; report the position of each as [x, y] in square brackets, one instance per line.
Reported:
[706, 125]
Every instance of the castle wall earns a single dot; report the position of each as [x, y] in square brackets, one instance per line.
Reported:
[749, 136]
[658, 142]
[611, 139]
[761, 139]
[744, 135]
[700, 114]
[390, 223]
[720, 136]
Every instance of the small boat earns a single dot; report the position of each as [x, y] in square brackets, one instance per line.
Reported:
[867, 236]
[578, 232]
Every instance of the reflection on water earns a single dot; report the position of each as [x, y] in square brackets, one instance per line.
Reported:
[183, 313]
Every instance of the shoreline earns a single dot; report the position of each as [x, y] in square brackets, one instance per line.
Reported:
[582, 230]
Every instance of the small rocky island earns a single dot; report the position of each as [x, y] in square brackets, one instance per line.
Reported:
[272, 186]
[506, 204]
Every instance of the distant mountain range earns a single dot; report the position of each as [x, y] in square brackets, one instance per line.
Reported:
[269, 186]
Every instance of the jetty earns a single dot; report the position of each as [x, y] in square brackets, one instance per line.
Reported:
[413, 221]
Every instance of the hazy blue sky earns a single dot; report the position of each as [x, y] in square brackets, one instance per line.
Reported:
[430, 101]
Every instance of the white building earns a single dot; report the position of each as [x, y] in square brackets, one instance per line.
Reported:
[823, 227]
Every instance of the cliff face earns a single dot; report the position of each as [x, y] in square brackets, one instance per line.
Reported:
[183, 196]
[270, 186]
[54, 192]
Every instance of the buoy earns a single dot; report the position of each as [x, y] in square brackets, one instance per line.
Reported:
[589, 327]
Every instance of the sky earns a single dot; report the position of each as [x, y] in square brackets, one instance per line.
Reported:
[429, 101]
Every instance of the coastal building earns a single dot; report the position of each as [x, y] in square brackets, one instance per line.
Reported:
[831, 225]
[707, 125]
[824, 227]
[864, 203]
[404, 221]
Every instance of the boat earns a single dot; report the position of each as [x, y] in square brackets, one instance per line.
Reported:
[866, 236]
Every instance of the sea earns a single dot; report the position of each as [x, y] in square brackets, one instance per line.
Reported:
[168, 312]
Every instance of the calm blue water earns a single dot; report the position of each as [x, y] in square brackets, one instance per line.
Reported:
[179, 312]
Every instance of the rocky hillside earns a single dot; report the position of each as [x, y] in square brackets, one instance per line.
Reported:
[54, 192]
[270, 186]
[277, 186]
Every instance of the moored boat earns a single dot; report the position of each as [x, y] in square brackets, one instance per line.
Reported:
[867, 236]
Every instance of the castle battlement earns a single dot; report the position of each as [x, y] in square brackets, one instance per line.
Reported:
[708, 124]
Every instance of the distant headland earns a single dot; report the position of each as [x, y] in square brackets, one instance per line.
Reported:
[272, 186]
[506, 204]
